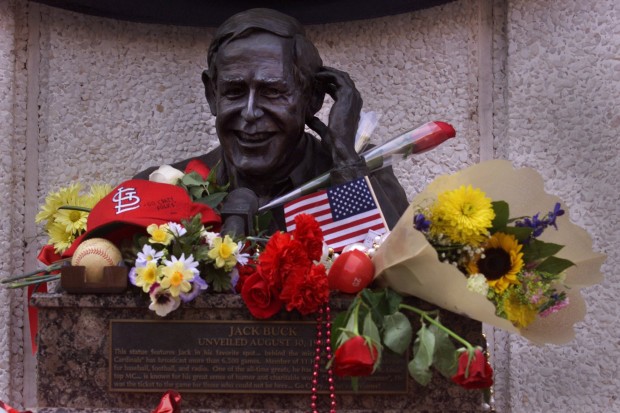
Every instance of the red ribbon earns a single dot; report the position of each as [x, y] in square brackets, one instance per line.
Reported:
[47, 256]
[170, 403]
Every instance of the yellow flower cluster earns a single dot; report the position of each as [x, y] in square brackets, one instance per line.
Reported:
[63, 226]
[464, 215]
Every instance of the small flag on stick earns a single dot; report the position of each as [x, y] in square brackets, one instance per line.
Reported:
[345, 213]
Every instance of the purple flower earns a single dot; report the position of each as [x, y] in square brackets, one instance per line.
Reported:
[132, 275]
[421, 223]
[557, 212]
[162, 302]
[539, 225]
[198, 285]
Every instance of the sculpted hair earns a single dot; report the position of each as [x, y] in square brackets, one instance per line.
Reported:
[306, 58]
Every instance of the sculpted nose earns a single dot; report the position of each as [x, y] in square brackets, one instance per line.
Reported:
[251, 111]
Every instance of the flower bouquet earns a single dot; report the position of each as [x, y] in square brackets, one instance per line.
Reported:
[474, 243]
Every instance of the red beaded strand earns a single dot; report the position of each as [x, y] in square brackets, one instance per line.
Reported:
[317, 360]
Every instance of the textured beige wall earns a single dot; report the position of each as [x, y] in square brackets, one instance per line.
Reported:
[562, 117]
[12, 155]
[116, 97]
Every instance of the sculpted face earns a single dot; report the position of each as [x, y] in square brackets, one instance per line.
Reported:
[260, 107]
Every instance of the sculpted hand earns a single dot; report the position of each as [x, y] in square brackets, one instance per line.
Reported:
[339, 135]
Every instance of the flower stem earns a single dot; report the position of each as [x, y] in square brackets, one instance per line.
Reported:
[34, 281]
[425, 316]
[75, 208]
[50, 268]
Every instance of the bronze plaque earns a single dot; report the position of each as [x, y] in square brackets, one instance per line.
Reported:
[229, 357]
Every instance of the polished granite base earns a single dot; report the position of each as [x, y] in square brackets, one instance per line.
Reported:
[74, 348]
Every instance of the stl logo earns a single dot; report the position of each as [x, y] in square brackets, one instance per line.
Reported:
[356, 282]
[126, 199]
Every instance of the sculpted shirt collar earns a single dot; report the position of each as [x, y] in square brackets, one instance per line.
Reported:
[315, 162]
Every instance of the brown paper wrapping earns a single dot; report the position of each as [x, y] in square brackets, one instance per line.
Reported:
[407, 263]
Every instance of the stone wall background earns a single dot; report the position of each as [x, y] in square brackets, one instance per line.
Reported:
[534, 81]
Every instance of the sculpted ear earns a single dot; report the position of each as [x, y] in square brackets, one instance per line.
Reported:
[209, 92]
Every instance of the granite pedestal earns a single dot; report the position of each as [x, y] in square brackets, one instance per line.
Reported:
[74, 351]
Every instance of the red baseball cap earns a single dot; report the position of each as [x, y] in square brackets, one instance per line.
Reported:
[135, 204]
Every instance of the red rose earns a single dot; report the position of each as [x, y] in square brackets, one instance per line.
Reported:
[306, 291]
[198, 166]
[355, 357]
[261, 299]
[308, 232]
[480, 374]
[245, 271]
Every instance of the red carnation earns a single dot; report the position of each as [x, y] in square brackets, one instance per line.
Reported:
[479, 375]
[308, 232]
[283, 258]
[198, 166]
[259, 297]
[355, 358]
[306, 291]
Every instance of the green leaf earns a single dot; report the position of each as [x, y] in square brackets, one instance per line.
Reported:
[502, 213]
[212, 177]
[213, 200]
[445, 359]
[338, 324]
[393, 300]
[554, 265]
[520, 233]
[536, 250]
[218, 279]
[196, 192]
[381, 303]
[423, 350]
[370, 329]
[192, 179]
[397, 332]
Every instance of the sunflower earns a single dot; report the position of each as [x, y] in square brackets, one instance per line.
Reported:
[501, 262]
[464, 215]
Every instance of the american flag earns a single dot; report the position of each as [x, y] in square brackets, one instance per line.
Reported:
[345, 213]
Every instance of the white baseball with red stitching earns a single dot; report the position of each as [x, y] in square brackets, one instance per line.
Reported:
[95, 254]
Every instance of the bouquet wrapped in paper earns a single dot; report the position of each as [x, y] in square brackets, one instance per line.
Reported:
[521, 272]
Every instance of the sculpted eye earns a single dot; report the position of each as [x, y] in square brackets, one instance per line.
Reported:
[232, 92]
[272, 92]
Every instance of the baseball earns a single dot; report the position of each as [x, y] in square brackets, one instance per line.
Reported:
[95, 254]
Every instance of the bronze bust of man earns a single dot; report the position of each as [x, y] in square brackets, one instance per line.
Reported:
[265, 83]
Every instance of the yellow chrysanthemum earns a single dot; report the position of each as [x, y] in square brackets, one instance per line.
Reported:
[519, 314]
[500, 263]
[96, 194]
[223, 252]
[146, 276]
[74, 221]
[160, 234]
[64, 196]
[464, 215]
[59, 237]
